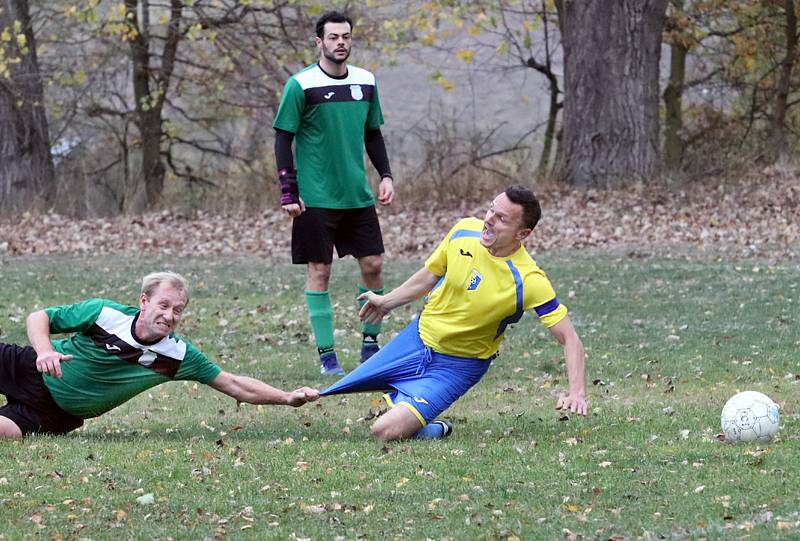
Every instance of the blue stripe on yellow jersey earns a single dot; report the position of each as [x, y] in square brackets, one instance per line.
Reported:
[480, 295]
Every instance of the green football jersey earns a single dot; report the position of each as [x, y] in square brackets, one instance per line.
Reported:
[328, 116]
[110, 365]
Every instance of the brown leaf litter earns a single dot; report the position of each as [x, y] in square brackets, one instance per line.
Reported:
[756, 218]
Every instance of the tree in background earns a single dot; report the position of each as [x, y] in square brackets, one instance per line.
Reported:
[680, 43]
[535, 22]
[732, 84]
[611, 90]
[778, 146]
[26, 168]
[152, 75]
[168, 94]
[468, 47]
[149, 98]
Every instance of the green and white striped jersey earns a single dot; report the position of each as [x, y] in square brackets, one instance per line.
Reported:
[328, 116]
[110, 365]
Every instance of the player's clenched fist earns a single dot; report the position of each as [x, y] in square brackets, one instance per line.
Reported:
[300, 396]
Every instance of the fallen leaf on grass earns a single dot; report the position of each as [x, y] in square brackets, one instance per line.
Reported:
[319, 508]
[569, 535]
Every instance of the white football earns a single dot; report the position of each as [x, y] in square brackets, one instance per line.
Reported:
[749, 416]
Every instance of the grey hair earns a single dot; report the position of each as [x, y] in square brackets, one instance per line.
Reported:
[151, 282]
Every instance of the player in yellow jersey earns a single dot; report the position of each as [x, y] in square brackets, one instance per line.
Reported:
[479, 280]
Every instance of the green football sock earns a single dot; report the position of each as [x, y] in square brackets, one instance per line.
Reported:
[369, 329]
[320, 313]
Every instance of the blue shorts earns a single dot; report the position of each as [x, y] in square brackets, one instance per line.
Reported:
[414, 376]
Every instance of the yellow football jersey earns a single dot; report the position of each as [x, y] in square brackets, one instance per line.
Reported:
[479, 294]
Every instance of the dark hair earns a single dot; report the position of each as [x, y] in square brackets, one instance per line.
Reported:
[332, 17]
[531, 211]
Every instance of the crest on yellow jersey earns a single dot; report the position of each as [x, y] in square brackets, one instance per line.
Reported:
[474, 280]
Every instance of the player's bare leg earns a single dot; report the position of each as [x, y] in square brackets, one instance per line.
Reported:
[318, 275]
[371, 267]
[9, 429]
[399, 423]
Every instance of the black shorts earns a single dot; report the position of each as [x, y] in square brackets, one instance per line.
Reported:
[30, 404]
[354, 232]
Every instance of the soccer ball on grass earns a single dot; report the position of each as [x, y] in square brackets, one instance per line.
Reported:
[749, 416]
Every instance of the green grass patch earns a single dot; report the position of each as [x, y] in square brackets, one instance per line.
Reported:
[668, 342]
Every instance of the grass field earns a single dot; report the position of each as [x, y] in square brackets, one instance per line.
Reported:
[668, 341]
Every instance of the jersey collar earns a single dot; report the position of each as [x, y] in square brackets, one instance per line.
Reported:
[337, 77]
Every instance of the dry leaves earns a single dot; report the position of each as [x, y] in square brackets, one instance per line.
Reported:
[759, 217]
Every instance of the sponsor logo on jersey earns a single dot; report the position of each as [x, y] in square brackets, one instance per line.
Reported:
[474, 280]
[355, 91]
[329, 95]
[147, 358]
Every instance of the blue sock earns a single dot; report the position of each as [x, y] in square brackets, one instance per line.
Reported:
[431, 431]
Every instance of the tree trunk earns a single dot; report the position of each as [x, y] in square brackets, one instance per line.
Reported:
[610, 117]
[552, 112]
[27, 178]
[550, 130]
[674, 145]
[150, 93]
[777, 139]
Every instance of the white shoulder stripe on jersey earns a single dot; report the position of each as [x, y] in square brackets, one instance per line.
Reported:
[315, 78]
[115, 322]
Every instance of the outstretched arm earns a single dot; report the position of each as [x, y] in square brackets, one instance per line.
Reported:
[253, 391]
[575, 401]
[377, 306]
[48, 360]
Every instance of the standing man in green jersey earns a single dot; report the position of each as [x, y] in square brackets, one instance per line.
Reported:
[331, 111]
[114, 353]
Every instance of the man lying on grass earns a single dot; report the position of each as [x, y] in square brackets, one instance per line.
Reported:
[115, 353]
[479, 281]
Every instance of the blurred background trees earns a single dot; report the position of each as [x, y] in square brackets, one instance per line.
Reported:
[109, 107]
[26, 170]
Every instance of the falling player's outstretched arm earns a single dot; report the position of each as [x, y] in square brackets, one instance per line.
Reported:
[377, 306]
[575, 401]
[253, 391]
